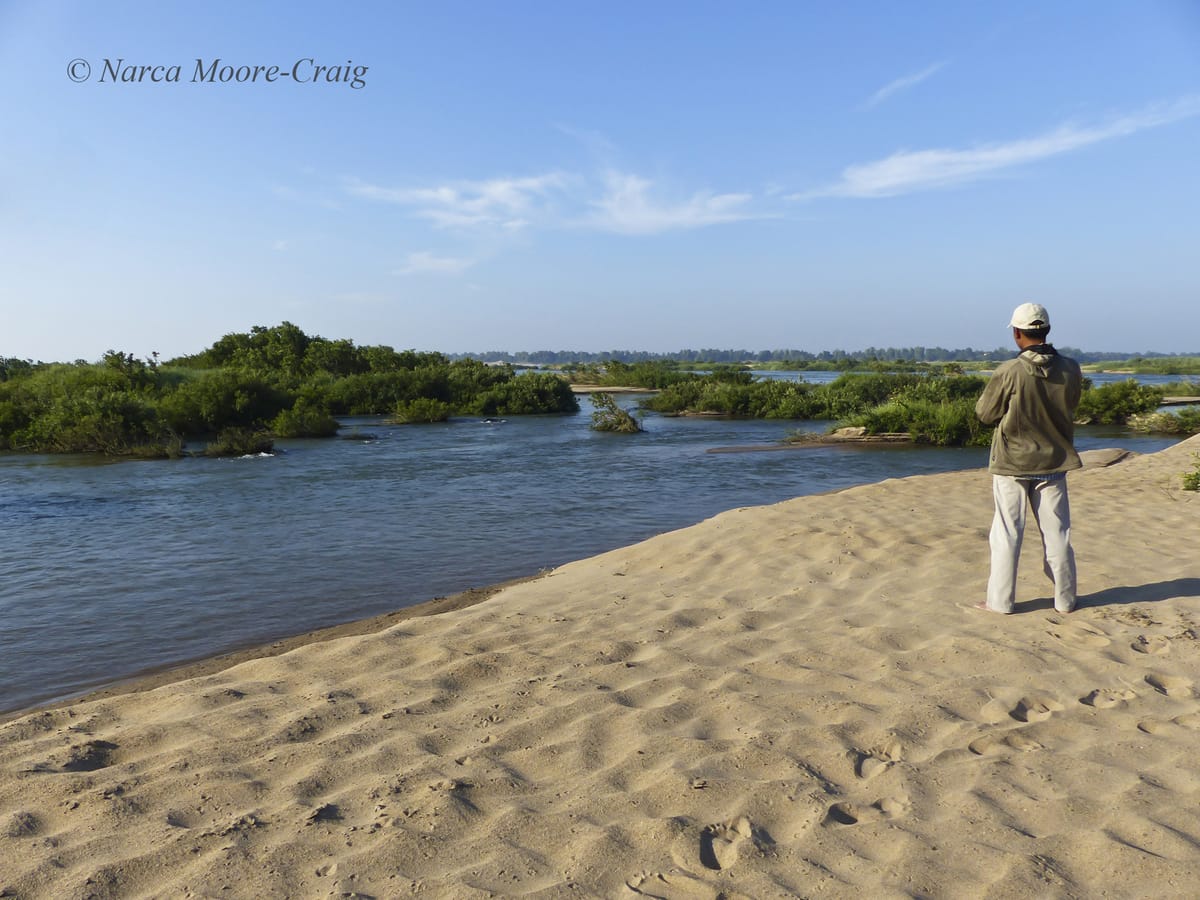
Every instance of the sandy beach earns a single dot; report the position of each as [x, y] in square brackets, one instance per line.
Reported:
[795, 700]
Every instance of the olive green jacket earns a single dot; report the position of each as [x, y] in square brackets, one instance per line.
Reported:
[1032, 399]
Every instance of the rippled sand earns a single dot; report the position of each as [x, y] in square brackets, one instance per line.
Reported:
[793, 700]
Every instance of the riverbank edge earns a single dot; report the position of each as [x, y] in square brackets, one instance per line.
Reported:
[197, 667]
[170, 673]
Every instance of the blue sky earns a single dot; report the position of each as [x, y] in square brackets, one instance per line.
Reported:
[594, 176]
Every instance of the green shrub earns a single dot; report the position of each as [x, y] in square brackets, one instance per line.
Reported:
[677, 398]
[735, 394]
[240, 442]
[1191, 480]
[608, 416]
[1186, 421]
[1113, 404]
[1181, 389]
[222, 399]
[653, 374]
[851, 394]
[467, 379]
[772, 399]
[10, 367]
[538, 392]
[422, 410]
[946, 423]
[304, 420]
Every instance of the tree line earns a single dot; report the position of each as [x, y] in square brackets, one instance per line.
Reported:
[801, 359]
[247, 389]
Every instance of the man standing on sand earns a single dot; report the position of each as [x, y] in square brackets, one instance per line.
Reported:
[1032, 401]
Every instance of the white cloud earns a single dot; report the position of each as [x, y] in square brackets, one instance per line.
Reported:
[423, 263]
[498, 202]
[618, 202]
[907, 171]
[627, 208]
[902, 84]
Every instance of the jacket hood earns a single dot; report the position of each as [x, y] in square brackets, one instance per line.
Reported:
[1038, 359]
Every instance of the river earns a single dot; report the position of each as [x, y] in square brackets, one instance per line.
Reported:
[111, 568]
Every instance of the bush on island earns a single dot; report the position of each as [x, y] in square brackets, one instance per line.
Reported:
[1186, 421]
[1113, 404]
[276, 380]
[422, 411]
[240, 442]
[304, 420]
[527, 394]
[608, 416]
[945, 423]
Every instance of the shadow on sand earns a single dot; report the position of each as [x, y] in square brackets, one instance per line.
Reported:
[1123, 596]
[1142, 593]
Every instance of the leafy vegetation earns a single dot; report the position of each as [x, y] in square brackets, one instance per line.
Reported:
[1115, 403]
[1186, 421]
[1191, 480]
[422, 410]
[1181, 389]
[241, 442]
[738, 394]
[933, 408]
[247, 389]
[651, 374]
[608, 416]
[1150, 365]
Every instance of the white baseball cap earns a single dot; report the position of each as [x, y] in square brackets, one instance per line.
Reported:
[1029, 316]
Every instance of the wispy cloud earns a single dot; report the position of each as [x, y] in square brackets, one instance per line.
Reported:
[626, 207]
[908, 171]
[617, 202]
[902, 84]
[424, 262]
[500, 202]
[596, 143]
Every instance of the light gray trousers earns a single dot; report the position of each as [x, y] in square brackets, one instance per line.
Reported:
[1047, 497]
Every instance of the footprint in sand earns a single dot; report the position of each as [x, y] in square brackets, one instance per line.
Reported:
[883, 808]
[1158, 726]
[90, 756]
[673, 885]
[894, 807]
[994, 744]
[870, 766]
[995, 711]
[1083, 636]
[719, 843]
[1170, 685]
[1155, 646]
[1035, 709]
[879, 759]
[1106, 698]
[842, 814]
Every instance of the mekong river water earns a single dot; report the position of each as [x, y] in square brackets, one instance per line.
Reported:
[112, 568]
